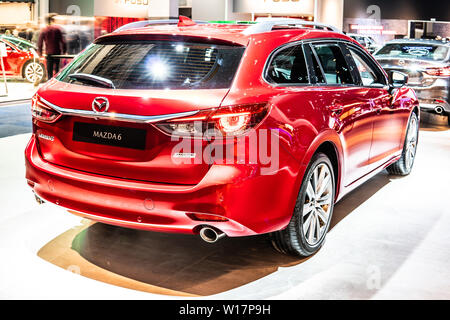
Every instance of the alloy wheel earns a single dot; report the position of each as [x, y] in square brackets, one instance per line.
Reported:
[34, 72]
[317, 206]
[411, 143]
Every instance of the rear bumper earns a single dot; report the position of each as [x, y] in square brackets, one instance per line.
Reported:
[232, 191]
[430, 106]
[434, 96]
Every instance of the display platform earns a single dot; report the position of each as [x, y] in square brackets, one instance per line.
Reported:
[389, 240]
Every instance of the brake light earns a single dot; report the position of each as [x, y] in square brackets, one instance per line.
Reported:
[226, 121]
[439, 72]
[43, 112]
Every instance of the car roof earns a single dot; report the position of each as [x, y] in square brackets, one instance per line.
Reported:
[225, 32]
[228, 33]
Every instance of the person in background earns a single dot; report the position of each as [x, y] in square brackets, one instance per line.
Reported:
[29, 30]
[51, 37]
[36, 35]
[22, 33]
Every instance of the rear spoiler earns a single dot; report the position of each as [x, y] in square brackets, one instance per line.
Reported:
[181, 22]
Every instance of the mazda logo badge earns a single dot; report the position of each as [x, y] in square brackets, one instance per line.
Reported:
[100, 105]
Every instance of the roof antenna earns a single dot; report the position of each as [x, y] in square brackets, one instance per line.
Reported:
[185, 22]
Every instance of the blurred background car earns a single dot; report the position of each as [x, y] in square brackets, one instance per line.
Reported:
[427, 63]
[22, 60]
[366, 41]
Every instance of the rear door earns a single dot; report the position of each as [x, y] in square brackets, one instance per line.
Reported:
[388, 124]
[351, 105]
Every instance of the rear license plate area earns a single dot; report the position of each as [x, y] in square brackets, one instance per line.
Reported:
[123, 137]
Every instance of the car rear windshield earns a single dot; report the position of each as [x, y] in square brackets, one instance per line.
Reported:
[414, 51]
[158, 65]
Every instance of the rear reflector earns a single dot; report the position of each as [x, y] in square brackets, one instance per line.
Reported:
[206, 217]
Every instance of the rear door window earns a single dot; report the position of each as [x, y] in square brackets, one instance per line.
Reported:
[288, 66]
[159, 65]
[334, 66]
[368, 73]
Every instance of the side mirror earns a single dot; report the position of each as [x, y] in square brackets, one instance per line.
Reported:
[397, 80]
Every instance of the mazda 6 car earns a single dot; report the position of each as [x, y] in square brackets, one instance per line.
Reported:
[219, 130]
[427, 63]
[22, 61]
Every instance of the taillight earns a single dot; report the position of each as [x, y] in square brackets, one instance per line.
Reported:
[225, 121]
[439, 72]
[43, 112]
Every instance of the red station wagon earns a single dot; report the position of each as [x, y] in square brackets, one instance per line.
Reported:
[220, 130]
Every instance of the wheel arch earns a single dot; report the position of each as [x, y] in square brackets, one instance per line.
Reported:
[328, 143]
[329, 149]
[416, 110]
[24, 65]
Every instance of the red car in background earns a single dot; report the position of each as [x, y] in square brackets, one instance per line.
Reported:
[22, 60]
[134, 131]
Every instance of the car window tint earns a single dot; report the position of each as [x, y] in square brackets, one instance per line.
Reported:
[368, 75]
[318, 74]
[8, 46]
[333, 64]
[159, 64]
[289, 66]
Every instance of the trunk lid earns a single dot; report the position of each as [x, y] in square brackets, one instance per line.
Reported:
[415, 69]
[143, 152]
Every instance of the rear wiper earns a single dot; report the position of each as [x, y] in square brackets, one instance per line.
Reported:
[89, 78]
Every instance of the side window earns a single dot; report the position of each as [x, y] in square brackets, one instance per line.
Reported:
[319, 77]
[368, 74]
[316, 73]
[8, 47]
[333, 64]
[288, 66]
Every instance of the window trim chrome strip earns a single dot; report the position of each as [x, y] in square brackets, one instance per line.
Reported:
[118, 116]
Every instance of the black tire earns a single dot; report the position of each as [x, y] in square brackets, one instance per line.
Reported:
[402, 167]
[448, 119]
[292, 240]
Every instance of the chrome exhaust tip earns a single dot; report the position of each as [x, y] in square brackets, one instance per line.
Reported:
[211, 235]
[39, 200]
[439, 110]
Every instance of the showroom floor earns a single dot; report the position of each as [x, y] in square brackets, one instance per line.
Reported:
[390, 239]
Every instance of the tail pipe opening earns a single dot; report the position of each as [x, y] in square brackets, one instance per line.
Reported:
[39, 200]
[211, 235]
[439, 110]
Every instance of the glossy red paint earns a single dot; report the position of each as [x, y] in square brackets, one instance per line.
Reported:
[144, 189]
